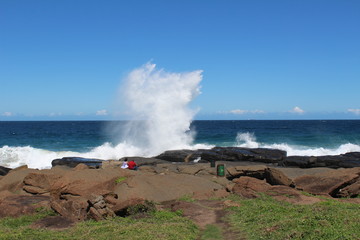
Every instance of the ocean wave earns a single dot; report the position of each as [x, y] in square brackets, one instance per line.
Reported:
[13, 157]
[249, 140]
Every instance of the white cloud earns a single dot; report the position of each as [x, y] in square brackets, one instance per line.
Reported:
[7, 114]
[257, 111]
[55, 114]
[355, 111]
[239, 111]
[102, 112]
[297, 110]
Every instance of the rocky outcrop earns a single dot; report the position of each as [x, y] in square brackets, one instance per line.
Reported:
[13, 181]
[256, 171]
[336, 183]
[263, 155]
[249, 187]
[179, 155]
[348, 160]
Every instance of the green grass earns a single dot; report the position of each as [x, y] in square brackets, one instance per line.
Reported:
[158, 225]
[211, 232]
[186, 198]
[120, 179]
[266, 218]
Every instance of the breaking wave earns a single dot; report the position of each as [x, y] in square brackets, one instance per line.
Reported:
[249, 140]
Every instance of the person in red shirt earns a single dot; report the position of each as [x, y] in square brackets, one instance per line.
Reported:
[132, 165]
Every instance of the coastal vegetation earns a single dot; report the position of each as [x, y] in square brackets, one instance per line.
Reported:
[266, 218]
[260, 218]
[156, 225]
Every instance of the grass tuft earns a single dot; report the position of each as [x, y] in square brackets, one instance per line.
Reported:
[120, 179]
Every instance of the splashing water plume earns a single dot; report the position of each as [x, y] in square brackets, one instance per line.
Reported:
[157, 102]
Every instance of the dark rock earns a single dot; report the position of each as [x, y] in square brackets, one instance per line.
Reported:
[263, 155]
[348, 160]
[177, 155]
[4, 170]
[298, 161]
[225, 154]
[142, 161]
[74, 161]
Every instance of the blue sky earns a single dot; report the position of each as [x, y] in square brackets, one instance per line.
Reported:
[64, 60]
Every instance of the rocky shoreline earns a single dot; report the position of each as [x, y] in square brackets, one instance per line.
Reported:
[79, 189]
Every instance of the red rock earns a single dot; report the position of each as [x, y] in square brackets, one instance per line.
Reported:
[328, 183]
[275, 176]
[249, 187]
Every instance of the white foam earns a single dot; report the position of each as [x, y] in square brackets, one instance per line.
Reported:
[161, 101]
[249, 140]
[35, 158]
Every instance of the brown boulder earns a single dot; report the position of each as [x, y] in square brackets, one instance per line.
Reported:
[255, 171]
[40, 182]
[275, 176]
[249, 187]
[72, 195]
[71, 207]
[14, 180]
[99, 209]
[89, 181]
[328, 183]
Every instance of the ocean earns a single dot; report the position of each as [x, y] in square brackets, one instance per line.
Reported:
[37, 143]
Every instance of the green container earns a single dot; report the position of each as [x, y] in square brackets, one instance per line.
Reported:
[220, 170]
